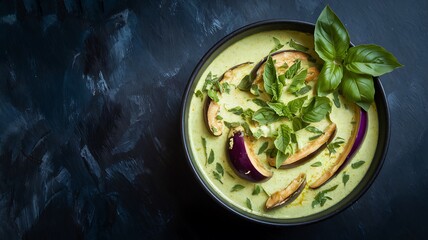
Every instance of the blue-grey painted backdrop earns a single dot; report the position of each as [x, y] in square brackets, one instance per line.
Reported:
[90, 96]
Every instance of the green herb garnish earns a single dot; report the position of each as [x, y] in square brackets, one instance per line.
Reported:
[199, 94]
[317, 109]
[349, 69]
[256, 190]
[357, 164]
[204, 145]
[313, 130]
[265, 115]
[316, 164]
[217, 176]
[263, 148]
[335, 144]
[259, 102]
[219, 169]
[321, 197]
[297, 46]
[211, 157]
[237, 187]
[236, 110]
[248, 202]
[245, 83]
[345, 178]
[278, 45]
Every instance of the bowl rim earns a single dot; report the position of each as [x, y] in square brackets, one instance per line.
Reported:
[382, 144]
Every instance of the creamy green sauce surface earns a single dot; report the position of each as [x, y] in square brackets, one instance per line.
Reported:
[254, 48]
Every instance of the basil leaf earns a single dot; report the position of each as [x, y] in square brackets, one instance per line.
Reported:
[225, 87]
[345, 178]
[213, 95]
[280, 109]
[291, 72]
[329, 78]
[237, 187]
[317, 109]
[260, 102]
[248, 202]
[217, 176]
[305, 89]
[370, 59]
[357, 164]
[231, 125]
[297, 46]
[298, 124]
[218, 117]
[269, 76]
[336, 99]
[247, 114]
[278, 45]
[358, 88]
[315, 137]
[219, 169]
[236, 110]
[245, 83]
[211, 157]
[298, 81]
[295, 105]
[313, 130]
[256, 190]
[199, 94]
[280, 158]
[265, 115]
[283, 139]
[255, 90]
[364, 105]
[331, 37]
[316, 164]
[204, 145]
[263, 148]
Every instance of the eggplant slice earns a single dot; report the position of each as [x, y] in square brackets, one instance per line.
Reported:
[212, 109]
[328, 173]
[288, 194]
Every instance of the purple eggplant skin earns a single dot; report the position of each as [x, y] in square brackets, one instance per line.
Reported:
[242, 158]
[362, 129]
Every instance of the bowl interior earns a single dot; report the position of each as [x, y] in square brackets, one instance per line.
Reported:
[382, 111]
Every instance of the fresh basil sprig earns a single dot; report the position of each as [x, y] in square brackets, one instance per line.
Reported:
[348, 69]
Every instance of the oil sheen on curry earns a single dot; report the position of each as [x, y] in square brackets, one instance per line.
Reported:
[263, 139]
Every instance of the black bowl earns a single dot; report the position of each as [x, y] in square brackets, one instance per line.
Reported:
[360, 189]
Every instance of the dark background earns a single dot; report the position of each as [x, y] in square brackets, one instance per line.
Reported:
[90, 97]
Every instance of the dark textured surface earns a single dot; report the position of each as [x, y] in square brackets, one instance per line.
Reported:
[90, 95]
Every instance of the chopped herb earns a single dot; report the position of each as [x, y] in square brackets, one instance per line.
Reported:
[264, 146]
[335, 144]
[293, 137]
[255, 90]
[199, 94]
[314, 137]
[204, 145]
[249, 204]
[230, 175]
[280, 109]
[280, 158]
[247, 115]
[345, 178]
[256, 190]
[219, 168]
[296, 105]
[281, 78]
[236, 110]
[210, 81]
[259, 102]
[237, 187]
[218, 117]
[317, 109]
[292, 71]
[297, 82]
[357, 164]
[231, 125]
[271, 84]
[245, 83]
[336, 99]
[303, 90]
[217, 176]
[283, 139]
[211, 157]
[317, 164]
[278, 45]
[265, 115]
[213, 95]
[321, 197]
[313, 130]
[247, 129]
[225, 87]
[298, 124]
[297, 46]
